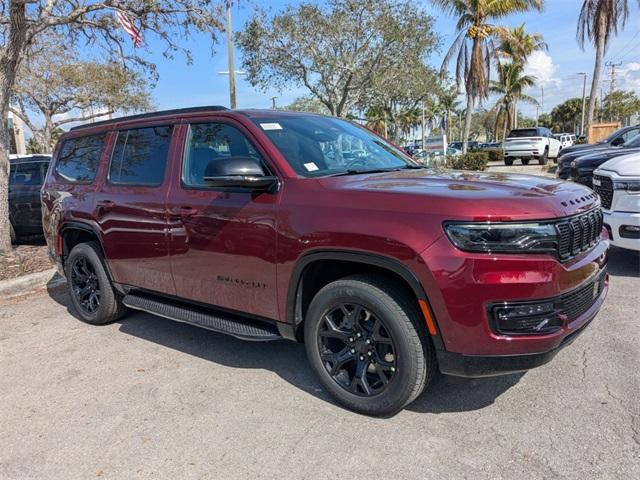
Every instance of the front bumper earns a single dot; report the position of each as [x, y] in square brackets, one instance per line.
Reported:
[476, 366]
[614, 221]
[462, 286]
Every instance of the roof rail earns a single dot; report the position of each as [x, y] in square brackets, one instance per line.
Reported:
[160, 113]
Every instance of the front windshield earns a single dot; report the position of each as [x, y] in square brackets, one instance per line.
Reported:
[318, 146]
[633, 142]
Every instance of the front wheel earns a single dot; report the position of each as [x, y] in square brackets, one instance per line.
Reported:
[90, 289]
[525, 161]
[363, 341]
[508, 162]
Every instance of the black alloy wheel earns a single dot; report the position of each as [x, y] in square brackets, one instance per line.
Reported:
[357, 349]
[85, 285]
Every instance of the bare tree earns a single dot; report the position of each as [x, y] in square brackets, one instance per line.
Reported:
[24, 22]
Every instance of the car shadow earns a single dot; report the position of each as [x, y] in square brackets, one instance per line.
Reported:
[624, 263]
[288, 360]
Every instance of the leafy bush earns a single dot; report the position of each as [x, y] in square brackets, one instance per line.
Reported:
[469, 161]
[495, 154]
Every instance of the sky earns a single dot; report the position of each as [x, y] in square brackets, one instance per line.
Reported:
[182, 85]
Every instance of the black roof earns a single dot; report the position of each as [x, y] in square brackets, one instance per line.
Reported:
[160, 113]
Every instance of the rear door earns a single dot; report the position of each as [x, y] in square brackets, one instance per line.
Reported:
[223, 241]
[131, 208]
[25, 182]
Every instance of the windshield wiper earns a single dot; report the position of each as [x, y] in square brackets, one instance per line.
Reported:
[376, 170]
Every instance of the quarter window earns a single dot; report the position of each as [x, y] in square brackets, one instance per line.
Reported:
[209, 142]
[31, 173]
[140, 156]
[79, 158]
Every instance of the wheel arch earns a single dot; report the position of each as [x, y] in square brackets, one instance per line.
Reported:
[344, 263]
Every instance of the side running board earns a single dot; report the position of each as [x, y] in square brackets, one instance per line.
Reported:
[218, 322]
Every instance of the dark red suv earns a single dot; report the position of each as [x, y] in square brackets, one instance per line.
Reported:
[267, 225]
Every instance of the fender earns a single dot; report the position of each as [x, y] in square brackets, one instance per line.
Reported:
[87, 227]
[294, 294]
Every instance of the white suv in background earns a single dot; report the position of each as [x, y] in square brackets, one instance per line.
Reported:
[618, 184]
[536, 143]
[565, 139]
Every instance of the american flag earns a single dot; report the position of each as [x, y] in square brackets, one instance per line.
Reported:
[130, 28]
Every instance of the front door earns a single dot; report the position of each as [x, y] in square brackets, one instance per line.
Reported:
[222, 241]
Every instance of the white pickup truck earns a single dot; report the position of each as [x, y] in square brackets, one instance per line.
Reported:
[536, 143]
[618, 184]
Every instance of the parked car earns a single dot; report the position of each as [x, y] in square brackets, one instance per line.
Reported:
[582, 167]
[616, 139]
[239, 222]
[530, 143]
[434, 158]
[566, 140]
[618, 184]
[26, 175]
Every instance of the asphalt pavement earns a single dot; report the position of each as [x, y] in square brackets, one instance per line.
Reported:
[148, 398]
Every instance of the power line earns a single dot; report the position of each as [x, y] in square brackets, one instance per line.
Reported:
[613, 57]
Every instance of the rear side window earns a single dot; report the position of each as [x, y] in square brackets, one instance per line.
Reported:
[79, 158]
[140, 156]
[31, 173]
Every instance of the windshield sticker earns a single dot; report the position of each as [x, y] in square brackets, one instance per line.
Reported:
[271, 126]
[311, 167]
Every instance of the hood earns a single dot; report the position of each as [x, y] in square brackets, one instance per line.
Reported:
[598, 158]
[583, 147]
[625, 166]
[569, 156]
[465, 195]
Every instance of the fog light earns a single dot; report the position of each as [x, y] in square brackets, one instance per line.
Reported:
[629, 231]
[523, 319]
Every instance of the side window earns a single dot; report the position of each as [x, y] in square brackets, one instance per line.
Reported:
[79, 157]
[27, 174]
[209, 142]
[140, 156]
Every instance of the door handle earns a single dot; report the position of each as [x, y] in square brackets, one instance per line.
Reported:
[184, 212]
[105, 205]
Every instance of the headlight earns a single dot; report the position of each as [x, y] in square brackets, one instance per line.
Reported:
[573, 164]
[632, 186]
[503, 237]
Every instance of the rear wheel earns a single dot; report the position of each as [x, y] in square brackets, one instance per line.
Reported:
[12, 234]
[92, 294]
[508, 162]
[525, 161]
[363, 342]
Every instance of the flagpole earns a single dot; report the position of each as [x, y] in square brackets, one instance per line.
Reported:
[232, 77]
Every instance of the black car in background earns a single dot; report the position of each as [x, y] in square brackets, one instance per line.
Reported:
[616, 139]
[26, 175]
[582, 168]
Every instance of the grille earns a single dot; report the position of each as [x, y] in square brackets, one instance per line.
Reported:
[605, 190]
[579, 233]
[576, 303]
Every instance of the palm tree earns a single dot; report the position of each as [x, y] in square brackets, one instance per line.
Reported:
[474, 45]
[516, 44]
[407, 118]
[376, 120]
[449, 103]
[511, 88]
[598, 21]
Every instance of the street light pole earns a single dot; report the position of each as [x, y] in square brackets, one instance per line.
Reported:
[584, 100]
[273, 102]
[232, 77]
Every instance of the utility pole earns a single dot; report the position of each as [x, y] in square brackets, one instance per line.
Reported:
[273, 102]
[613, 67]
[424, 138]
[232, 76]
[584, 99]
[542, 104]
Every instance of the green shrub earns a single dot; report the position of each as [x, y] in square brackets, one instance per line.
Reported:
[469, 161]
[495, 154]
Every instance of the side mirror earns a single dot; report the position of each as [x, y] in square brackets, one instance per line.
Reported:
[238, 172]
[617, 141]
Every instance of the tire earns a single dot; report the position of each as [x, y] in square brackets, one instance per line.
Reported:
[525, 161]
[399, 351]
[544, 159]
[85, 269]
[508, 162]
[12, 234]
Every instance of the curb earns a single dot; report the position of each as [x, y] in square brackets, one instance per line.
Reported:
[27, 283]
